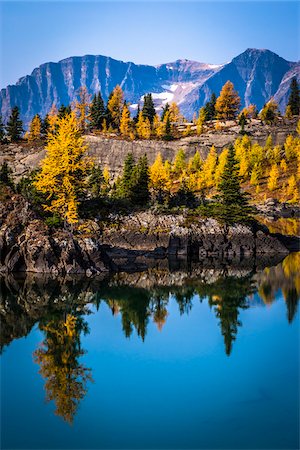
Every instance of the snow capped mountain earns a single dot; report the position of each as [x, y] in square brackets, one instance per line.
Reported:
[256, 74]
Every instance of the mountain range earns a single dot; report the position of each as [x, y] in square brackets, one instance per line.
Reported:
[257, 75]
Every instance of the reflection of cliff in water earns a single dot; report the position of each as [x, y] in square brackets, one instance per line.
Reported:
[144, 296]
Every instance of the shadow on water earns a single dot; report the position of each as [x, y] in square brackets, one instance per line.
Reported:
[61, 306]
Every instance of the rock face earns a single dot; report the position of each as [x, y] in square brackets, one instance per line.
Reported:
[110, 152]
[124, 243]
[257, 75]
[27, 245]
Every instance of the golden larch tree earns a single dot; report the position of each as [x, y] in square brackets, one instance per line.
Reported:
[53, 118]
[209, 167]
[34, 133]
[64, 169]
[82, 108]
[228, 103]
[273, 177]
[125, 124]
[115, 106]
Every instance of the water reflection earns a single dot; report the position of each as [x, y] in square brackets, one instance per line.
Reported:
[61, 308]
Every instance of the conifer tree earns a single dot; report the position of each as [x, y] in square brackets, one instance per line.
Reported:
[234, 202]
[2, 131]
[115, 106]
[35, 126]
[125, 123]
[64, 169]
[209, 167]
[5, 175]
[200, 121]
[273, 178]
[63, 110]
[228, 102]
[159, 178]
[165, 110]
[288, 112]
[139, 194]
[222, 159]
[52, 118]
[136, 117]
[148, 108]
[210, 108]
[294, 98]
[270, 112]
[14, 127]
[143, 127]
[167, 136]
[81, 108]
[179, 163]
[45, 126]
[97, 112]
[174, 113]
[126, 180]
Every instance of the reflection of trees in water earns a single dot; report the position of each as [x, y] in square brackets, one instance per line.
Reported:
[58, 357]
[284, 277]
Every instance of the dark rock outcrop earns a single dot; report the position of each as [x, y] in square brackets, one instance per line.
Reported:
[129, 243]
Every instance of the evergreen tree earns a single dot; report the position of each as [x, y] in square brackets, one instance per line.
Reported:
[14, 127]
[148, 108]
[5, 175]
[294, 98]
[63, 111]
[234, 202]
[242, 122]
[139, 194]
[210, 108]
[45, 126]
[166, 109]
[168, 128]
[2, 131]
[126, 181]
[97, 112]
[136, 117]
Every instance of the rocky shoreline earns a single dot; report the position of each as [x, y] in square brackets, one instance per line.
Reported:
[129, 243]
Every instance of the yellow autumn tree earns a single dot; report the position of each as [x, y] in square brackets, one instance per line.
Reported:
[34, 133]
[125, 124]
[159, 176]
[273, 177]
[292, 189]
[143, 127]
[291, 147]
[200, 121]
[158, 127]
[209, 167]
[53, 118]
[115, 106]
[63, 169]
[228, 103]
[220, 166]
[82, 107]
[174, 111]
[179, 164]
[283, 165]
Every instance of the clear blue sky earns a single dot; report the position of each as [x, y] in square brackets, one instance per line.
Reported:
[150, 32]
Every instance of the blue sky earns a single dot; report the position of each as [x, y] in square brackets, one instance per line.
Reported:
[147, 32]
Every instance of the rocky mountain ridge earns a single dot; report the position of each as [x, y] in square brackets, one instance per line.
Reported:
[257, 76]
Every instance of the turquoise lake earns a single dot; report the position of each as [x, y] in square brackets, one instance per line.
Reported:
[200, 359]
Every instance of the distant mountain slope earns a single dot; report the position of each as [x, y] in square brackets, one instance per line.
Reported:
[257, 75]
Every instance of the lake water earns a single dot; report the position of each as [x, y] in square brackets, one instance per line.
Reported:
[204, 358]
